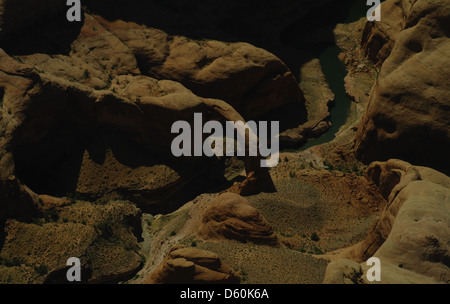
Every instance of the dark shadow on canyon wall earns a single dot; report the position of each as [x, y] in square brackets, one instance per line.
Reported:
[51, 163]
[277, 26]
[53, 166]
[52, 35]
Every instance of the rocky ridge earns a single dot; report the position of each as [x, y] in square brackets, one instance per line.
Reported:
[406, 117]
[411, 235]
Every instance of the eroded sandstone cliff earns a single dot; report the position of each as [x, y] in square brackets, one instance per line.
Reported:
[407, 116]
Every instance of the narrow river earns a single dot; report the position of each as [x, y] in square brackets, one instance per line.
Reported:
[327, 52]
[335, 72]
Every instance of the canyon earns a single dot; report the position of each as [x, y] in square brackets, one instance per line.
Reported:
[87, 171]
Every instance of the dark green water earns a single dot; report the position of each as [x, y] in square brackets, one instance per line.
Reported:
[334, 71]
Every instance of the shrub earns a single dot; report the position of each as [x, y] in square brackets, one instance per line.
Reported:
[105, 228]
[328, 164]
[51, 215]
[314, 237]
[41, 270]
[13, 262]
[316, 250]
[37, 221]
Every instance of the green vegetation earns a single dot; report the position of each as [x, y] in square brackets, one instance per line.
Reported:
[373, 67]
[194, 243]
[292, 174]
[354, 168]
[301, 249]
[105, 228]
[86, 74]
[38, 70]
[76, 196]
[315, 250]
[173, 233]
[328, 165]
[287, 235]
[11, 262]
[41, 270]
[243, 274]
[51, 215]
[18, 59]
[157, 224]
[17, 262]
[315, 237]
[37, 221]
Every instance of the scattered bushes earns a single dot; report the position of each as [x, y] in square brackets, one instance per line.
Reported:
[105, 228]
[11, 262]
[51, 215]
[41, 270]
[314, 237]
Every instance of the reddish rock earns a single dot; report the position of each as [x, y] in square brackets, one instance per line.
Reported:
[230, 216]
[184, 265]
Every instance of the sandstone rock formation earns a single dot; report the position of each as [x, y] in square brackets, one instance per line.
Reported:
[230, 216]
[137, 109]
[250, 79]
[411, 237]
[408, 113]
[379, 37]
[184, 265]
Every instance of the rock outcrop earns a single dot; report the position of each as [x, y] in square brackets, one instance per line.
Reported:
[184, 265]
[408, 113]
[379, 37]
[411, 237]
[248, 78]
[85, 94]
[230, 216]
